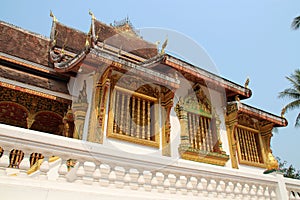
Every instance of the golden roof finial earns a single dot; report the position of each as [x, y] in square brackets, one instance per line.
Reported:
[164, 45]
[247, 82]
[87, 43]
[92, 14]
[53, 16]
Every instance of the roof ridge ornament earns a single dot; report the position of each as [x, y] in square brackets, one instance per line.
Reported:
[53, 16]
[92, 15]
[164, 45]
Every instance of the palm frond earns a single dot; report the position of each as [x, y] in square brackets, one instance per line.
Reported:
[289, 93]
[297, 123]
[291, 106]
[296, 23]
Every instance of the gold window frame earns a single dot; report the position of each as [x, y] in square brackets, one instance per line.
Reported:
[132, 139]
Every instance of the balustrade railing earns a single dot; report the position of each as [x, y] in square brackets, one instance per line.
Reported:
[95, 166]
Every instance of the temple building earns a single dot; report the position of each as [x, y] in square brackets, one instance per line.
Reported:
[108, 115]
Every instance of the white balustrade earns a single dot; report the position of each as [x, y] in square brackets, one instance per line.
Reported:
[179, 180]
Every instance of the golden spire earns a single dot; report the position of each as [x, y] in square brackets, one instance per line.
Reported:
[92, 14]
[247, 82]
[53, 16]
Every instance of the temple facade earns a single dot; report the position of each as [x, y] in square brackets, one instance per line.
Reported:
[108, 115]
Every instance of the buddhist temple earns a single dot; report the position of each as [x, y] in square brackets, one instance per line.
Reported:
[105, 114]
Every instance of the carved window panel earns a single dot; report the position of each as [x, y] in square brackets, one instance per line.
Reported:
[248, 146]
[200, 129]
[132, 117]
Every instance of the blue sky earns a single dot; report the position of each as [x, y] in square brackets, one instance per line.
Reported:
[243, 38]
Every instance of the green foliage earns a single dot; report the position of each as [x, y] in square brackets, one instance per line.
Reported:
[288, 171]
[292, 93]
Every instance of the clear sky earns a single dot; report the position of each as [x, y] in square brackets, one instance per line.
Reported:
[243, 38]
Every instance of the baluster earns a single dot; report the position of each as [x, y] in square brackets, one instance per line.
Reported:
[245, 145]
[63, 171]
[147, 177]
[149, 122]
[250, 147]
[138, 117]
[211, 188]
[116, 112]
[44, 169]
[134, 175]
[202, 133]
[97, 176]
[194, 130]
[160, 179]
[197, 132]
[193, 182]
[24, 166]
[190, 129]
[89, 168]
[201, 187]
[143, 119]
[205, 134]
[172, 180]
[255, 147]
[122, 121]
[128, 120]
[120, 173]
[104, 170]
[211, 142]
[133, 124]
[240, 140]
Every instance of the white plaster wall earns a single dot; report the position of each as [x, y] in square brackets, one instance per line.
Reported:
[75, 85]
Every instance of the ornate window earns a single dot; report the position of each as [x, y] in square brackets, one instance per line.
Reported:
[248, 146]
[199, 129]
[133, 111]
[248, 139]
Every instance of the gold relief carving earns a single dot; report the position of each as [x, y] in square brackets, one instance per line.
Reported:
[68, 124]
[167, 103]
[246, 120]
[33, 103]
[96, 125]
[203, 156]
[231, 122]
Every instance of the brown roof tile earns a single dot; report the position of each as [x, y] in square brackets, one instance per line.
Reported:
[23, 44]
[129, 41]
[72, 39]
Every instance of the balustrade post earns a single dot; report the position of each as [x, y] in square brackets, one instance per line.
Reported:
[134, 175]
[89, 168]
[62, 171]
[44, 169]
[160, 179]
[281, 191]
[172, 180]
[148, 177]
[120, 173]
[104, 171]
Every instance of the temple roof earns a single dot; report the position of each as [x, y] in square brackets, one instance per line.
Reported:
[24, 44]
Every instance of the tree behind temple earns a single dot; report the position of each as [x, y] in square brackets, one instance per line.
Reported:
[292, 93]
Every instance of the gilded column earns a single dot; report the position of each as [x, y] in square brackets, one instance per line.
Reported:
[265, 139]
[183, 119]
[231, 123]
